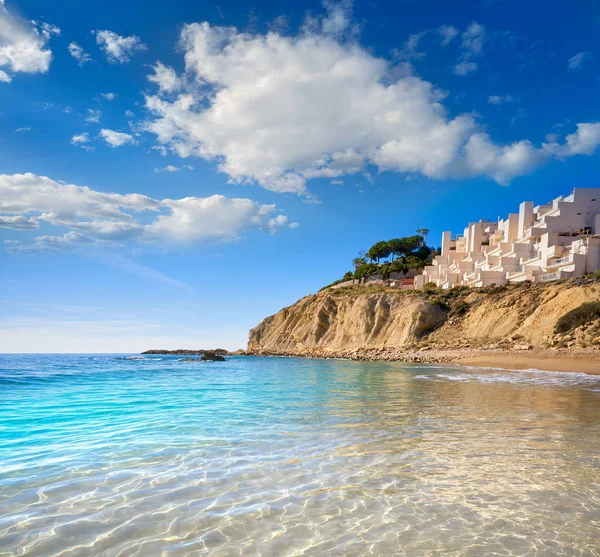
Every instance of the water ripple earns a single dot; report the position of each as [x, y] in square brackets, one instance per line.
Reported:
[113, 456]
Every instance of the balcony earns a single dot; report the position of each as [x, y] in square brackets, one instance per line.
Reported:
[549, 276]
[562, 261]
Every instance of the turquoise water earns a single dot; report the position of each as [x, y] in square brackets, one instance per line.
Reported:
[107, 456]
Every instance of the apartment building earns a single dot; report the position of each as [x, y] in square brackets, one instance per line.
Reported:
[560, 239]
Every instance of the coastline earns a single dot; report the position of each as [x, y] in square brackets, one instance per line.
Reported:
[576, 361]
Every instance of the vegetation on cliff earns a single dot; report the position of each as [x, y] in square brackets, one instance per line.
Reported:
[397, 255]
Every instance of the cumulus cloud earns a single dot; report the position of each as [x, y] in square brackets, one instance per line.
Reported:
[166, 78]
[119, 49]
[279, 110]
[576, 62]
[79, 54]
[23, 45]
[116, 139]
[109, 96]
[93, 116]
[500, 99]
[19, 222]
[99, 218]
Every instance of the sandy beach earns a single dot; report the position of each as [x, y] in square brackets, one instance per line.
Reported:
[582, 362]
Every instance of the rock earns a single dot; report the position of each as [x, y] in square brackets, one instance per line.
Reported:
[212, 357]
[522, 347]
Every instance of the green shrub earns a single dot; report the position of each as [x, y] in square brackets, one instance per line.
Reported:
[441, 303]
[459, 308]
[590, 311]
[430, 286]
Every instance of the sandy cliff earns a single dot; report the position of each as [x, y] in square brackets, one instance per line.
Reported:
[346, 321]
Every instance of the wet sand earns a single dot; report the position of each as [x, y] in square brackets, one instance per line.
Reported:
[582, 362]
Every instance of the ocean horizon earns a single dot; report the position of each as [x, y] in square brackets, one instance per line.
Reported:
[110, 455]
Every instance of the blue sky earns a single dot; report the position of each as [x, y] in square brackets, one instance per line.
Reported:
[170, 174]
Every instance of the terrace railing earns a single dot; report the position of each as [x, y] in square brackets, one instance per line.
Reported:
[549, 276]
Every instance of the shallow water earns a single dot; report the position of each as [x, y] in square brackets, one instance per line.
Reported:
[106, 456]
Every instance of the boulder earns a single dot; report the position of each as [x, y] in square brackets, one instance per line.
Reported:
[212, 357]
[522, 347]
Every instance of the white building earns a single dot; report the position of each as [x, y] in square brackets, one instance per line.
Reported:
[558, 240]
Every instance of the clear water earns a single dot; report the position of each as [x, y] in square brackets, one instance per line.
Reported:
[104, 456]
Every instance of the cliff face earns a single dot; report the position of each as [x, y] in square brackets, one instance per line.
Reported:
[333, 322]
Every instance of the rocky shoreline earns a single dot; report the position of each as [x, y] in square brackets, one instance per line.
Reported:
[567, 359]
[186, 352]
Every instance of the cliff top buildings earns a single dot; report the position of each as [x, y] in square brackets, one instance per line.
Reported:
[557, 240]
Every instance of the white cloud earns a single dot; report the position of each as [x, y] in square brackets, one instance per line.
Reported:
[109, 96]
[79, 54]
[171, 168]
[447, 32]
[22, 130]
[129, 113]
[116, 139]
[584, 141]
[472, 39]
[93, 116]
[23, 45]
[119, 49]
[500, 99]
[410, 50]
[80, 140]
[166, 78]
[4, 77]
[97, 218]
[279, 110]
[472, 45]
[576, 62]
[465, 68]
[161, 149]
[19, 222]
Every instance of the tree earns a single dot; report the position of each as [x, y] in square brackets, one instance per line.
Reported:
[396, 246]
[411, 243]
[365, 270]
[360, 260]
[378, 251]
[423, 232]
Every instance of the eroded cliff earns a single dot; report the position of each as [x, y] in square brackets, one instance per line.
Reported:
[339, 322]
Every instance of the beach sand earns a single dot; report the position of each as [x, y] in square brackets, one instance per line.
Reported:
[582, 362]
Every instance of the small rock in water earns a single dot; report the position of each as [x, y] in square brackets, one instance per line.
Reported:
[212, 357]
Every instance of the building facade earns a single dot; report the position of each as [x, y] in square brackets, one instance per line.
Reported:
[558, 240]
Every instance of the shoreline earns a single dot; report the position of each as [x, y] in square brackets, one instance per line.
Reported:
[569, 361]
[580, 362]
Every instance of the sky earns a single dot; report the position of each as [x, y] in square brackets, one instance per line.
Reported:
[172, 173]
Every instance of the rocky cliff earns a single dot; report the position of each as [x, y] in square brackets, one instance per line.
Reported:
[350, 320]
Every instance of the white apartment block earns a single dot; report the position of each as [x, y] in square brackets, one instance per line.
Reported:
[554, 241]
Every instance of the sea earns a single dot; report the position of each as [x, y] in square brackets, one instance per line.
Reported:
[128, 455]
